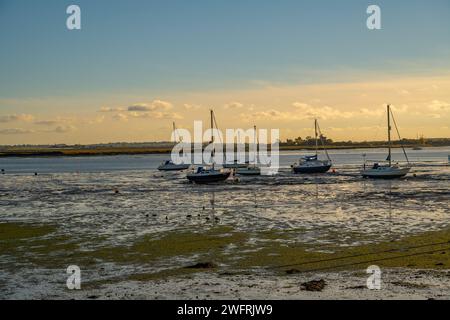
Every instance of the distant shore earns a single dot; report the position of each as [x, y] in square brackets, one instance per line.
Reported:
[113, 151]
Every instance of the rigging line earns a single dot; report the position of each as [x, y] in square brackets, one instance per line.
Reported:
[217, 127]
[220, 138]
[398, 133]
[374, 260]
[363, 254]
[378, 128]
[321, 141]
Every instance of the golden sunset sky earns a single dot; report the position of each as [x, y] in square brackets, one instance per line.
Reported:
[136, 66]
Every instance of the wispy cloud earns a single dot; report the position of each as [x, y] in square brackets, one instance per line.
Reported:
[109, 109]
[306, 111]
[147, 115]
[16, 117]
[64, 129]
[13, 131]
[153, 106]
[437, 105]
[234, 105]
[188, 106]
[46, 122]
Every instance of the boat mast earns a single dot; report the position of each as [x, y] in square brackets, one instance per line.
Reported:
[315, 130]
[174, 131]
[389, 133]
[212, 125]
[255, 141]
[212, 136]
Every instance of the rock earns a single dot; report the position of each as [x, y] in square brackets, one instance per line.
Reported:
[203, 265]
[314, 285]
[292, 271]
[356, 287]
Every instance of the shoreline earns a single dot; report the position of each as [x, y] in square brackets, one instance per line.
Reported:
[396, 284]
[81, 152]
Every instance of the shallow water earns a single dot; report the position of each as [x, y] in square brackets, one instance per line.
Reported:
[77, 194]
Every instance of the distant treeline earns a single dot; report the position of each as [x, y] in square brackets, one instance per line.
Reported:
[166, 147]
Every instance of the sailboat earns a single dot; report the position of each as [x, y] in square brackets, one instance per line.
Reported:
[388, 171]
[208, 175]
[168, 165]
[250, 169]
[235, 164]
[312, 164]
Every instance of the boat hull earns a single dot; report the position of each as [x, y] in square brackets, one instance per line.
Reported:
[176, 167]
[385, 174]
[312, 169]
[208, 178]
[235, 166]
[248, 172]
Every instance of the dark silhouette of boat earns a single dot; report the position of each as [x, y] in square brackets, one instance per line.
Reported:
[312, 164]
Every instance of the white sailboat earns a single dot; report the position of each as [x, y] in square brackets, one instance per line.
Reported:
[235, 164]
[312, 164]
[389, 170]
[207, 175]
[168, 165]
[251, 169]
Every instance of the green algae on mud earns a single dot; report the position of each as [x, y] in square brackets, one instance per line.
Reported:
[232, 251]
[39, 245]
[171, 244]
[10, 231]
[430, 250]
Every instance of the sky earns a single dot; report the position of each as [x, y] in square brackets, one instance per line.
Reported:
[135, 66]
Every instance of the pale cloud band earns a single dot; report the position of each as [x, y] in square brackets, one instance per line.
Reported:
[421, 103]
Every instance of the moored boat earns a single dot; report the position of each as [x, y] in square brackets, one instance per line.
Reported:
[168, 165]
[235, 165]
[249, 171]
[208, 175]
[204, 175]
[385, 172]
[312, 164]
[389, 170]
